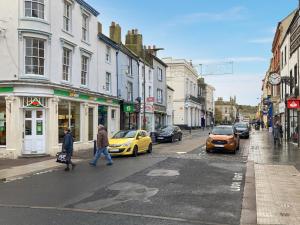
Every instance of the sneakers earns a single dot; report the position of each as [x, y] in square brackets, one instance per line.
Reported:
[109, 164]
[92, 164]
[73, 166]
[67, 169]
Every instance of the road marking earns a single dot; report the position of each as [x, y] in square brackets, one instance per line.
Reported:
[180, 153]
[90, 211]
[163, 173]
[236, 182]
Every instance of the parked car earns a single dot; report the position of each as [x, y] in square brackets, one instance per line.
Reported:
[242, 129]
[170, 134]
[223, 138]
[130, 142]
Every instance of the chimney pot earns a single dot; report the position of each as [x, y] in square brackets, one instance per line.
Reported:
[132, 31]
[113, 23]
[136, 31]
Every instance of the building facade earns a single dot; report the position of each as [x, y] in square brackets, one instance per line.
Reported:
[183, 78]
[170, 107]
[226, 112]
[210, 105]
[50, 76]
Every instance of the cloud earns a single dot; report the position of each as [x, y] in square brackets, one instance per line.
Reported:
[235, 13]
[267, 40]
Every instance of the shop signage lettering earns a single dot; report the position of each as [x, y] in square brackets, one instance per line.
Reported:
[35, 103]
[293, 104]
[150, 99]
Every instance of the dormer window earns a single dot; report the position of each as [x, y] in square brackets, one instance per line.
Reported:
[35, 8]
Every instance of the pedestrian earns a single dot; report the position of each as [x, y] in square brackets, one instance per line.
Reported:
[277, 132]
[67, 147]
[102, 144]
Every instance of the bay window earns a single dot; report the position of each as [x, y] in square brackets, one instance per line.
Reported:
[34, 56]
[35, 8]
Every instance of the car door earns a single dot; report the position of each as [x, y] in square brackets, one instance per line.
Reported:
[141, 141]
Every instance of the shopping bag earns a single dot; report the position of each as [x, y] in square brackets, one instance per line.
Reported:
[61, 157]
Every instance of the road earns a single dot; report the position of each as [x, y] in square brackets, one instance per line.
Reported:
[178, 184]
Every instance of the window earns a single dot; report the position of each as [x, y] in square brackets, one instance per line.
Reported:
[85, 27]
[91, 124]
[34, 56]
[150, 90]
[159, 96]
[2, 121]
[113, 114]
[84, 69]
[129, 91]
[285, 55]
[35, 8]
[108, 54]
[66, 64]
[159, 74]
[68, 117]
[129, 68]
[108, 82]
[67, 16]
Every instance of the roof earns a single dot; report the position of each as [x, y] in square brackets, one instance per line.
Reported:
[127, 51]
[108, 41]
[88, 7]
[159, 60]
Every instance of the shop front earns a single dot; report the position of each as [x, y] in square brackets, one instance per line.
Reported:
[159, 116]
[33, 119]
[129, 116]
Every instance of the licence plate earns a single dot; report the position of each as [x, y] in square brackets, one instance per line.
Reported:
[114, 150]
[160, 138]
[219, 146]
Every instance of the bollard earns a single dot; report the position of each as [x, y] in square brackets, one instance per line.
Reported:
[95, 147]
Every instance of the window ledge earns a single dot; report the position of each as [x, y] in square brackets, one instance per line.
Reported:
[34, 19]
[67, 32]
[84, 87]
[33, 76]
[67, 83]
[86, 42]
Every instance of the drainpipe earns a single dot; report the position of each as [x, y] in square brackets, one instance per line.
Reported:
[117, 71]
[138, 77]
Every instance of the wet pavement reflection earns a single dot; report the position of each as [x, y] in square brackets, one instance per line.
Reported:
[263, 151]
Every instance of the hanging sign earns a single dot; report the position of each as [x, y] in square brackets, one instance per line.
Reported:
[293, 103]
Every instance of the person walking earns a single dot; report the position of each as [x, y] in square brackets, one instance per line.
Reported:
[67, 146]
[102, 144]
[277, 132]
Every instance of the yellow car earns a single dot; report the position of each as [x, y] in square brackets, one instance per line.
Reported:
[130, 142]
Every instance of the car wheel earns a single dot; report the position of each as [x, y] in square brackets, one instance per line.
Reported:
[180, 138]
[149, 148]
[208, 151]
[135, 151]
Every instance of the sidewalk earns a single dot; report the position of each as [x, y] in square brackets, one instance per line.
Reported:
[277, 180]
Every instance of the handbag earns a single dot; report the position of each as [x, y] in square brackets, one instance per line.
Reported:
[61, 157]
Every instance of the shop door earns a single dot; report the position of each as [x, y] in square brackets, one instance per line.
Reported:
[34, 132]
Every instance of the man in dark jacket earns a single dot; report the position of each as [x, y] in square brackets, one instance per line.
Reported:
[102, 144]
[67, 146]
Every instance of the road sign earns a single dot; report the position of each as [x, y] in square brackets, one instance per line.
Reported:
[293, 104]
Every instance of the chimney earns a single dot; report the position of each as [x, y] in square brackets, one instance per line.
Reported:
[115, 32]
[134, 41]
[99, 28]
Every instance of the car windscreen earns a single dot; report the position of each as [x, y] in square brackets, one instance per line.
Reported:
[240, 125]
[125, 134]
[222, 131]
[167, 129]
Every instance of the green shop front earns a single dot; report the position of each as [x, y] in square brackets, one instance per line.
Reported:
[129, 116]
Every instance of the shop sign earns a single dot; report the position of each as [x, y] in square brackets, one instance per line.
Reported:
[281, 107]
[33, 103]
[128, 108]
[150, 99]
[293, 104]
[266, 101]
[159, 108]
[149, 108]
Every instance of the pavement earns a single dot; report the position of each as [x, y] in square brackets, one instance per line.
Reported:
[277, 180]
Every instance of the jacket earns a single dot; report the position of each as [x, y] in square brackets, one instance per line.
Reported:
[68, 143]
[102, 139]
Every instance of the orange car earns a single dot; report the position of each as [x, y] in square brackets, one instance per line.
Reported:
[223, 138]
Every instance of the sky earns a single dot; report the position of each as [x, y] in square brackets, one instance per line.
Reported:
[229, 37]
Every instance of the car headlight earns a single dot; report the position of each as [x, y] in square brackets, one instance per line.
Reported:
[127, 144]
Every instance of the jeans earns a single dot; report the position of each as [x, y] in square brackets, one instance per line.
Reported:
[98, 154]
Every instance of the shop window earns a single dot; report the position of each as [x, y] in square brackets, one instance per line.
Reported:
[102, 115]
[113, 114]
[68, 117]
[2, 121]
[91, 124]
